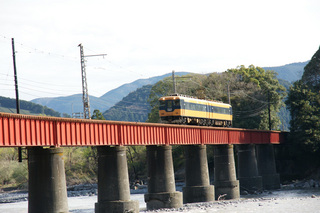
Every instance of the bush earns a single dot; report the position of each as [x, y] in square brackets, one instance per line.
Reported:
[13, 173]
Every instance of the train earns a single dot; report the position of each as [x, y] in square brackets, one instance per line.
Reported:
[181, 109]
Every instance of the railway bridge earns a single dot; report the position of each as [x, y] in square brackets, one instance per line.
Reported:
[45, 137]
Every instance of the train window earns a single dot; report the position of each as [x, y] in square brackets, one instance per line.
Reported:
[216, 110]
[176, 103]
[162, 103]
[169, 106]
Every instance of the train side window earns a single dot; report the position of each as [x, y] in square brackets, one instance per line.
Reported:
[215, 109]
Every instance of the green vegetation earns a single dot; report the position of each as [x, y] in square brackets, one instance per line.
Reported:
[304, 105]
[26, 107]
[12, 173]
[81, 165]
[97, 115]
[133, 107]
[253, 90]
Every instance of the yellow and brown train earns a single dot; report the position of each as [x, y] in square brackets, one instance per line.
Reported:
[185, 110]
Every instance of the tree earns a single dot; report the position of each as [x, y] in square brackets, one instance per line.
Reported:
[304, 105]
[254, 92]
[97, 115]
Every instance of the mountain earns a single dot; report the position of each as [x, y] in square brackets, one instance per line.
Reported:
[133, 107]
[289, 72]
[73, 103]
[26, 107]
[69, 104]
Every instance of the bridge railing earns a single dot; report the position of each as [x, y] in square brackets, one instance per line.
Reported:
[26, 131]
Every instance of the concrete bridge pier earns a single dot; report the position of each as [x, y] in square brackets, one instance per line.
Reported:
[267, 166]
[225, 180]
[248, 174]
[113, 181]
[198, 188]
[161, 183]
[47, 181]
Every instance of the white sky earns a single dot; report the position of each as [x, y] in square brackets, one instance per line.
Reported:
[146, 38]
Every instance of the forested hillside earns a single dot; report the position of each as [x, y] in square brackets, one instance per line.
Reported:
[133, 107]
[303, 102]
[252, 91]
[26, 107]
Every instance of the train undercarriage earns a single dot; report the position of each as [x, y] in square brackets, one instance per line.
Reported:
[197, 121]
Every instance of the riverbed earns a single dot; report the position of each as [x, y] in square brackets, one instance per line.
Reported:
[284, 200]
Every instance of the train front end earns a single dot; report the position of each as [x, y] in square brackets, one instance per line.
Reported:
[170, 108]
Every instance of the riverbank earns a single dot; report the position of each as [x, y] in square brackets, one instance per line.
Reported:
[300, 196]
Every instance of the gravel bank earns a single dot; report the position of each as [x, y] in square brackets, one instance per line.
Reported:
[300, 196]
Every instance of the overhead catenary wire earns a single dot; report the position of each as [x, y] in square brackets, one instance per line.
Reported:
[28, 86]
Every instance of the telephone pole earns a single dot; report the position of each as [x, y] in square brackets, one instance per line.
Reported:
[17, 91]
[85, 94]
[269, 110]
[174, 82]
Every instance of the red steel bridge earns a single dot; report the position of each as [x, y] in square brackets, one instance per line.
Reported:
[29, 131]
[44, 137]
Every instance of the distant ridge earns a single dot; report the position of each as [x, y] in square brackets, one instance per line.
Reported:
[289, 72]
[26, 107]
[73, 103]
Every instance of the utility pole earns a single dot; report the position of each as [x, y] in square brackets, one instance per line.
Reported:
[16, 89]
[174, 82]
[269, 111]
[85, 94]
[15, 77]
[229, 92]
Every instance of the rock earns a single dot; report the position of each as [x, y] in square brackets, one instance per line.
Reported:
[312, 183]
[313, 196]
[306, 185]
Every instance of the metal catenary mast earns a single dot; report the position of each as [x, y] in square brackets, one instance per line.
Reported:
[85, 95]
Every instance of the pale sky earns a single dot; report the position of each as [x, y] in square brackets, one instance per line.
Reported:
[146, 38]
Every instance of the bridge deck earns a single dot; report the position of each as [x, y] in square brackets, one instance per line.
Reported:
[25, 131]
